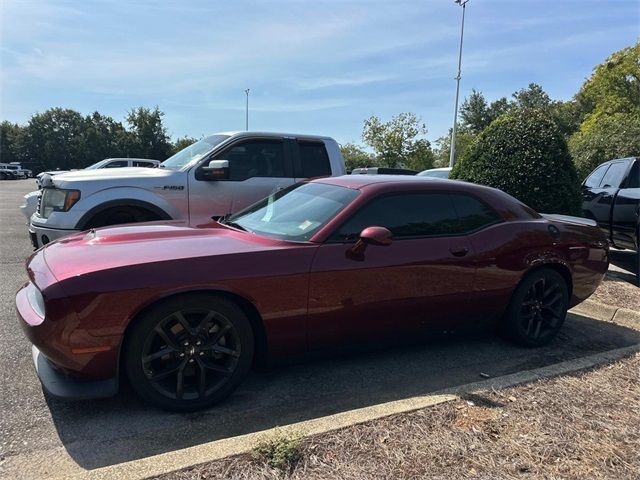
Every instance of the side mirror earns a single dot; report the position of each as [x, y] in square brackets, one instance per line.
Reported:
[378, 236]
[216, 170]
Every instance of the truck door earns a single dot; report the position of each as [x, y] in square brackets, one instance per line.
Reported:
[626, 210]
[257, 168]
[601, 201]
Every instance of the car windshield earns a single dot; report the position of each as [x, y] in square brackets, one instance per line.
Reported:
[193, 152]
[96, 165]
[295, 213]
[435, 173]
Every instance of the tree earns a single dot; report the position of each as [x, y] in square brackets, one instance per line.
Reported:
[104, 138]
[55, 139]
[150, 136]
[181, 143]
[525, 154]
[609, 137]
[10, 142]
[609, 103]
[395, 143]
[533, 96]
[476, 114]
[442, 153]
[356, 157]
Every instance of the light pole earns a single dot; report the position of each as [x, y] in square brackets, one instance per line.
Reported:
[452, 157]
[246, 114]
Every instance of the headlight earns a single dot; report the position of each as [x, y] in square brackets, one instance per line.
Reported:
[36, 299]
[57, 200]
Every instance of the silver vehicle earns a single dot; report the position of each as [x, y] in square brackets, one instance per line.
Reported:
[218, 175]
[106, 163]
[436, 172]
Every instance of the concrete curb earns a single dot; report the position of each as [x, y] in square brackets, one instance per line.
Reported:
[609, 313]
[177, 460]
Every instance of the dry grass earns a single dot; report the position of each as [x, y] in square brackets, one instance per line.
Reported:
[585, 425]
[618, 292]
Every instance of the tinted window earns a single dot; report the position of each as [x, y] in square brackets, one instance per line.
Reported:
[118, 164]
[473, 213]
[595, 178]
[633, 180]
[406, 215]
[314, 159]
[614, 175]
[255, 158]
[143, 164]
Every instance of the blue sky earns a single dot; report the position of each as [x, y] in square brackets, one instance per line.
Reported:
[312, 66]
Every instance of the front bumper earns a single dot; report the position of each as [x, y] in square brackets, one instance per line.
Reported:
[40, 236]
[54, 380]
[56, 383]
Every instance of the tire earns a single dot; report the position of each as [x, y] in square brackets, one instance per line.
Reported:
[120, 216]
[537, 309]
[189, 352]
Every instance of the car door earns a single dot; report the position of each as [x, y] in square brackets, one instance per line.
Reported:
[591, 193]
[257, 168]
[420, 280]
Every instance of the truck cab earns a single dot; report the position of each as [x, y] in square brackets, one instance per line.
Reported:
[611, 197]
[216, 176]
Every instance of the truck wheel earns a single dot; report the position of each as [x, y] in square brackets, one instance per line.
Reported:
[121, 215]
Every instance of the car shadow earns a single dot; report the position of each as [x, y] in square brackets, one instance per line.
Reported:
[628, 264]
[100, 433]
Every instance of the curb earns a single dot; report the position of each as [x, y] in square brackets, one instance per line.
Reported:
[180, 459]
[609, 313]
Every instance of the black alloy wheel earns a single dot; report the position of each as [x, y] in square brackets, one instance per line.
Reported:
[189, 352]
[538, 308]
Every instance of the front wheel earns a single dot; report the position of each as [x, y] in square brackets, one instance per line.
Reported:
[189, 352]
[537, 309]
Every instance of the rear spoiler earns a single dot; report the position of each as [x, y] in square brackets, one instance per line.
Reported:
[569, 219]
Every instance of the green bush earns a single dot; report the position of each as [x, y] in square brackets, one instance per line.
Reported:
[524, 154]
[279, 451]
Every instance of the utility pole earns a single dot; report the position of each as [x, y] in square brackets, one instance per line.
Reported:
[452, 157]
[246, 116]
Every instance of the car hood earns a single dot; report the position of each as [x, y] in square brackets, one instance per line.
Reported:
[115, 247]
[118, 175]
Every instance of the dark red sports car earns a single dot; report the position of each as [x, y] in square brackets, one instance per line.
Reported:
[333, 262]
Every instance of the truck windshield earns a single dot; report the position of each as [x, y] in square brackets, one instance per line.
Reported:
[295, 213]
[193, 152]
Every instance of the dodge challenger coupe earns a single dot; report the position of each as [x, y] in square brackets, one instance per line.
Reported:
[184, 312]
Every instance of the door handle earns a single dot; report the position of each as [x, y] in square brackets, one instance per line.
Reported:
[459, 251]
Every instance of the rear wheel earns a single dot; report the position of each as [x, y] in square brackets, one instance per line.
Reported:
[189, 352]
[537, 309]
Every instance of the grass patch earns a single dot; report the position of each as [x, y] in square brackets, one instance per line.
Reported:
[280, 451]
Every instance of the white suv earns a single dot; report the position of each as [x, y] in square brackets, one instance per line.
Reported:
[218, 175]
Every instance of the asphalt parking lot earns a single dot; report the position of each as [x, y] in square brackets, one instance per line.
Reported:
[34, 429]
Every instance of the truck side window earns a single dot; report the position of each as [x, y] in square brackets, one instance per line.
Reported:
[255, 158]
[593, 180]
[615, 175]
[117, 164]
[633, 181]
[314, 159]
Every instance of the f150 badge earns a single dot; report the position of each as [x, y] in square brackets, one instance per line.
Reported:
[171, 187]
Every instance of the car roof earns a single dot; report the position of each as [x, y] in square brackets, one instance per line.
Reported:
[360, 181]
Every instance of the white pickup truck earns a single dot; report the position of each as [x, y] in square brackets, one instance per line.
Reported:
[218, 175]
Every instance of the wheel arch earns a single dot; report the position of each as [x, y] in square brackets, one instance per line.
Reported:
[250, 310]
[130, 203]
[559, 266]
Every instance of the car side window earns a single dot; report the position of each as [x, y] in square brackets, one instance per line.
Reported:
[593, 180]
[615, 175]
[313, 159]
[473, 213]
[255, 158]
[406, 215]
[117, 164]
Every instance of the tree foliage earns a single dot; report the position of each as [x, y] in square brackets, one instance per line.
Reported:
[150, 138]
[356, 157]
[442, 152]
[610, 105]
[524, 153]
[397, 143]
